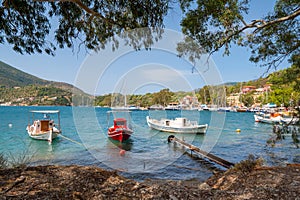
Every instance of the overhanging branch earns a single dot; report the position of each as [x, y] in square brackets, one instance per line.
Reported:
[84, 7]
[258, 24]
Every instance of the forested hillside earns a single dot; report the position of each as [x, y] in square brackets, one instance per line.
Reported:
[284, 90]
[20, 88]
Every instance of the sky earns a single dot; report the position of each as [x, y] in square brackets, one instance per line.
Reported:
[128, 71]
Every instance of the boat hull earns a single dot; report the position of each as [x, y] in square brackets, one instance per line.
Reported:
[291, 120]
[263, 119]
[199, 129]
[267, 118]
[120, 134]
[47, 135]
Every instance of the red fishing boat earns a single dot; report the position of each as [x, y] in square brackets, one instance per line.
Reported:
[120, 131]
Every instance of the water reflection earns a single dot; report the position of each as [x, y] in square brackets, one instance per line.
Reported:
[126, 145]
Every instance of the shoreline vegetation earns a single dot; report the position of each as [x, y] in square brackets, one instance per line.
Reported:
[277, 88]
[246, 180]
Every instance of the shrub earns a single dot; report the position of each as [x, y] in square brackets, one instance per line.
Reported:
[248, 165]
[3, 161]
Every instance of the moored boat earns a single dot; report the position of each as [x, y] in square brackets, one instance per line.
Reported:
[178, 125]
[203, 107]
[43, 127]
[241, 109]
[156, 107]
[267, 118]
[172, 106]
[275, 118]
[125, 108]
[119, 131]
[290, 120]
[224, 109]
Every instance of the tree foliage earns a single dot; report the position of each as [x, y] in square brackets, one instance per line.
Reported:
[216, 24]
[286, 84]
[211, 24]
[247, 99]
[284, 88]
[26, 24]
[36, 94]
[162, 97]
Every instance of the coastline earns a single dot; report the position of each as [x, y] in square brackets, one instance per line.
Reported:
[89, 182]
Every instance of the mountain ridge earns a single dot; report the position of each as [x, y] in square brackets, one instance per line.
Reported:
[20, 88]
[13, 77]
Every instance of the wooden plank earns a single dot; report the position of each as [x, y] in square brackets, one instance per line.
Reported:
[205, 154]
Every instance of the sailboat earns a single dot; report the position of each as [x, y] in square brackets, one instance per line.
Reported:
[117, 99]
[125, 107]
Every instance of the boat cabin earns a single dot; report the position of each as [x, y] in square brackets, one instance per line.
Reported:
[120, 123]
[178, 122]
[43, 125]
[46, 125]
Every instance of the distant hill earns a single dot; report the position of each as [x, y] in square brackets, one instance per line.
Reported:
[11, 77]
[231, 83]
[31, 87]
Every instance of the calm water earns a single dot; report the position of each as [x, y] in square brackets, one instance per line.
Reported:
[148, 154]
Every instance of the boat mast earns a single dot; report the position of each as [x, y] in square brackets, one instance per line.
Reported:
[125, 100]
[125, 96]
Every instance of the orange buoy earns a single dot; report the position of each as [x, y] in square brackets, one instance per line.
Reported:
[122, 152]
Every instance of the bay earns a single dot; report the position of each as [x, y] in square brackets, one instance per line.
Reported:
[148, 154]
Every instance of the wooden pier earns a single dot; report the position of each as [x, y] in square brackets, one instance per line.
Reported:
[205, 154]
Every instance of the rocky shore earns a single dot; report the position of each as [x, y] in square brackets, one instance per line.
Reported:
[82, 182]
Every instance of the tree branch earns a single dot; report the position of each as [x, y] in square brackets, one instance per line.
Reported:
[277, 61]
[282, 19]
[84, 7]
[259, 24]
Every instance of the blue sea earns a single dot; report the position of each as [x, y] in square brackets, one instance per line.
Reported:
[148, 154]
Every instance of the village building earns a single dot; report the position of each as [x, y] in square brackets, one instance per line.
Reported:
[247, 89]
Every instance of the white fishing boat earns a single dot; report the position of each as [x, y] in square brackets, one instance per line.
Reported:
[178, 125]
[172, 106]
[275, 118]
[156, 107]
[203, 107]
[41, 125]
[125, 108]
[269, 118]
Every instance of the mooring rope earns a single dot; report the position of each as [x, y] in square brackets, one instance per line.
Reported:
[71, 140]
